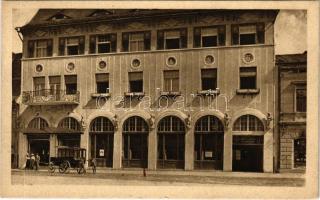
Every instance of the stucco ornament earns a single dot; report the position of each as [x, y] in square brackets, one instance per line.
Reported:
[188, 121]
[227, 119]
[151, 121]
[83, 124]
[268, 120]
[115, 122]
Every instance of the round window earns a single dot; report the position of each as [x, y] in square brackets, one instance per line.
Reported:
[171, 61]
[102, 65]
[248, 57]
[39, 68]
[70, 67]
[209, 59]
[135, 63]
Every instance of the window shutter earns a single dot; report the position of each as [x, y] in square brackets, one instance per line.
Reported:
[260, 33]
[30, 49]
[113, 39]
[197, 37]
[62, 43]
[49, 48]
[125, 41]
[160, 40]
[235, 34]
[81, 45]
[183, 38]
[92, 45]
[147, 40]
[222, 35]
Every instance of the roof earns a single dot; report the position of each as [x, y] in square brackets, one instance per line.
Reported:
[292, 58]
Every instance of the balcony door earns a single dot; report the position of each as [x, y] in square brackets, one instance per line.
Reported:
[55, 87]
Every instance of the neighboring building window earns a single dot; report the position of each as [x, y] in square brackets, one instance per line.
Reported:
[55, 85]
[135, 81]
[103, 43]
[39, 85]
[172, 39]
[136, 41]
[38, 123]
[301, 99]
[102, 81]
[209, 36]
[209, 79]
[248, 78]
[71, 84]
[248, 123]
[40, 48]
[248, 34]
[171, 81]
[71, 46]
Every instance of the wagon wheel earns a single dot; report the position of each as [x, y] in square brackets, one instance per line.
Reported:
[51, 168]
[64, 166]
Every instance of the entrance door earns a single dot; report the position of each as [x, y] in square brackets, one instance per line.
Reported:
[40, 147]
[135, 150]
[247, 153]
[102, 149]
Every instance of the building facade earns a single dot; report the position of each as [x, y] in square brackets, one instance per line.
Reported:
[156, 89]
[293, 108]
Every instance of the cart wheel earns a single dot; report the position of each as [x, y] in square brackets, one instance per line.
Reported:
[51, 168]
[63, 167]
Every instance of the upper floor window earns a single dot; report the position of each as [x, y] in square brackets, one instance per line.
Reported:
[71, 46]
[40, 48]
[102, 81]
[103, 43]
[55, 84]
[301, 99]
[71, 84]
[248, 78]
[172, 39]
[209, 79]
[39, 85]
[136, 41]
[209, 36]
[171, 81]
[135, 81]
[248, 34]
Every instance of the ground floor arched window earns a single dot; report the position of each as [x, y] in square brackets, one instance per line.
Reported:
[171, 143]
[208, 148]
[135, 142]
[101, 140]
[68, 132]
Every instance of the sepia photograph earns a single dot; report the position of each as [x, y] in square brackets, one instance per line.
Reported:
[161, 98]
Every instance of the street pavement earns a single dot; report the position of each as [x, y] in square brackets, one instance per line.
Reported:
[153, 178]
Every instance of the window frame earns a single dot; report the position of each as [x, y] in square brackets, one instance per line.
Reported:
[216, 78]
[299, 87]
[256, 78]
[96, 85]
[171, 81]
[32, 51]
[129, 81]
[259, 33]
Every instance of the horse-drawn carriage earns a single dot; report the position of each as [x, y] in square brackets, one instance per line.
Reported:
[67, 158]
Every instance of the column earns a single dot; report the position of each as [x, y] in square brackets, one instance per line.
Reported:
[23, 148]
[152, 149]
[53, 145]
[268, 151]
[227, 150]
[84, 143]
[117, 149]
[189, 149]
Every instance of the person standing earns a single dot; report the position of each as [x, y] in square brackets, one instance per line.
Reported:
[37, 159]
[32, 161]
[27, 165]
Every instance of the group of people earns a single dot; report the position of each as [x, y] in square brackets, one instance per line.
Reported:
[32, 161]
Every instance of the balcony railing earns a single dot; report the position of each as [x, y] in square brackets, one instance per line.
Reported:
[50, 97]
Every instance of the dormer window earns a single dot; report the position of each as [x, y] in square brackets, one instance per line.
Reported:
[59, 16]
[71, 46]
[100, 13]
[103, 43]
[248, 34]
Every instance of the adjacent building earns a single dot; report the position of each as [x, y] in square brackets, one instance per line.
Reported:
[292, 109]
[156, 89]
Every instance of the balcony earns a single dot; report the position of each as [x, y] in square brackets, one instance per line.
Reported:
[50, 97]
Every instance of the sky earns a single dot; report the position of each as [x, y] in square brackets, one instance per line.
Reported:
[288, 21]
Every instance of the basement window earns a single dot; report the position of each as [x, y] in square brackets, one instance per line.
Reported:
[135, 81]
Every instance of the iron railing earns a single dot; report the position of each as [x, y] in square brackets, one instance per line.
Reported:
[49, 97]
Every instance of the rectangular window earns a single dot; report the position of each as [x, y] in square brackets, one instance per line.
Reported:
[209, 79]
[136, 41]
[40, 48]
[248, 77]
[54, 83]
[209, 36]
[248, 34]
[171, 81]
[103, 43]
[71, 46]
[301, 99]
[102, 81]
[71, 84]
[39, 85]
[135, 81]
[172, 39]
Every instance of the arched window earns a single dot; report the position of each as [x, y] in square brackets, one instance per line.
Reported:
[171, 124]
[101, 124]
[135, 124]
[69, 123]
[248, 123]
[38, 123]
[208, 123]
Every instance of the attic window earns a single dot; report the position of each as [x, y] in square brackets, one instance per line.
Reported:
[59, 16]
[100, 13]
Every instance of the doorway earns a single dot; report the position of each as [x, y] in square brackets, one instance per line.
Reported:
[40, 145]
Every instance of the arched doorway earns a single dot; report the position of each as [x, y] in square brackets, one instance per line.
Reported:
[247, 154]
[208, 147]
[135, 142]
[101, 137]
[171, 143]
[38, 139]
[69, 132]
